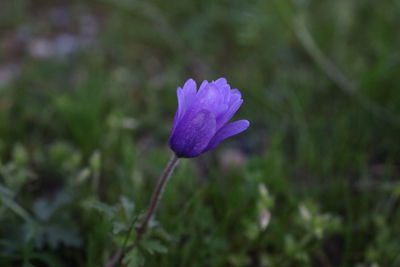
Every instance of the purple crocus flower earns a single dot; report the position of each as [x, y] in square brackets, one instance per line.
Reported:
[201, 121]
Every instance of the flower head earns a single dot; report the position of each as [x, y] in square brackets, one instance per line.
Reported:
[201, 121]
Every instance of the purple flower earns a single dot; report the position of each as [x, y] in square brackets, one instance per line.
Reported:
[201, 121]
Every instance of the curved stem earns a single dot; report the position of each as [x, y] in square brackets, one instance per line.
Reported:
[154, 201]
[155, 198]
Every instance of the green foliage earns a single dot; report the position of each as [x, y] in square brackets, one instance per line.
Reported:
[83, 134]
[134, 259]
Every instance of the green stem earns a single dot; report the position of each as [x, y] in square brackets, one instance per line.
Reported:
[154, 201]
[155, 198]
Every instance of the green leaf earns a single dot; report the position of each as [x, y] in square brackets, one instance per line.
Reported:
[128, 206]
[44, 208]
[55, 235]
[20, 155]
[107, 210]
[6, 200]
[134, 259]
[95, 161]
[154, 246]
[62, 235]
[118, 227]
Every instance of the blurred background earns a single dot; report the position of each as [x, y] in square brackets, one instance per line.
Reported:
[87, 99]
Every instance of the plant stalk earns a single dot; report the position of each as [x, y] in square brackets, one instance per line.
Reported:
[154, 201]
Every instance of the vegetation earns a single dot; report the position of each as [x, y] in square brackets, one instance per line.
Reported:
[87, 99]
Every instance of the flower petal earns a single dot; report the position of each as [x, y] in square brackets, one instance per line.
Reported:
[234, 96]
[181, 102]
[176, 121]
[203, 85]
[225, 117]
[209, 98]
[224, 88]
[185, 97]
[189, 91]
[226, 131]
[221, 82]
[193, 133]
